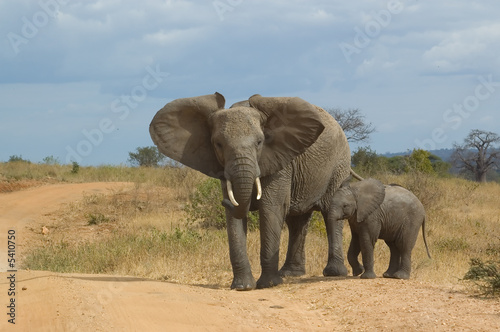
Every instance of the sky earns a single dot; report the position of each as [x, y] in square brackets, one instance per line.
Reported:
[81, 80]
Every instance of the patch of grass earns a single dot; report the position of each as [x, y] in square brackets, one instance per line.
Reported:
[178, 255]
[452, 244]
[96, 219]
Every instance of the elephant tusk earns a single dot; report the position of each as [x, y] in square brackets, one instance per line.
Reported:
[230, 193]
[259, 188]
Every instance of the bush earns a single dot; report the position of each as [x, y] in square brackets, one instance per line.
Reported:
[486, 276]
[205, 207]
[418, 161]
[367, 162]
[51, 160]
[16, 158]
[148, 156]
[75, 168]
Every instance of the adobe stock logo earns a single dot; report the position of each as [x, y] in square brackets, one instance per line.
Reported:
[222, 7]
[120, 106]
[31, 27]
[454, 116]
[371, 29]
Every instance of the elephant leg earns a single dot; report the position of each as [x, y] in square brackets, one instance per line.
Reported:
[367, 246]
[274, 204]
[237, 236]
[405, 265]
[334, 228]
[405, 245]
[394, 261]
[353, 254]
[271, 223]
[295, 263]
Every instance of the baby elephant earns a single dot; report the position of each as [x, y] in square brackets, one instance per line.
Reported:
[375, 211]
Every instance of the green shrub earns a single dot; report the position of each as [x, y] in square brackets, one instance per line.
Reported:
[205, 207]
[418, 161]
[317, 224]
[76, 168]
[486, 276]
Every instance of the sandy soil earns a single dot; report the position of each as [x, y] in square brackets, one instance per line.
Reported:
[47, 301]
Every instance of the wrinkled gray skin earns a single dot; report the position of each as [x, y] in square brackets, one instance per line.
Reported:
[298, 151]
[375, 211]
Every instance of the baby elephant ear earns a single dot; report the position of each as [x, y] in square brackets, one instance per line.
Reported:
[369, 194]
[181, 131]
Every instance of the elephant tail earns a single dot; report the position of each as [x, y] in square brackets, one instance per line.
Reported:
[356, 176]
[425, 239]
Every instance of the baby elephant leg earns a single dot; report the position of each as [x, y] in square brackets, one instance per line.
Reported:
[394, 261]
[405, 265]
[353, 254]
[367, 244]
[405, 246]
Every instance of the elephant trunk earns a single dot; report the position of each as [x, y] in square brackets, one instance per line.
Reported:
[240, 184]
[231, 192]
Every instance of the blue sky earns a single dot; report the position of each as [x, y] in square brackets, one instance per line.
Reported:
[81, 80]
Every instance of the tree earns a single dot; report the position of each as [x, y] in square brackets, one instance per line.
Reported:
[366, 161]
[353, 123]
[477, 155]
[148, 156]
[441, 167]
[419, 161]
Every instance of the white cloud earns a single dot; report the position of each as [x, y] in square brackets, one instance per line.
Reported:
[467, 49]
[96, 50]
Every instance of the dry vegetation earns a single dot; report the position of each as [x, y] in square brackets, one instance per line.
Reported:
[144, 232]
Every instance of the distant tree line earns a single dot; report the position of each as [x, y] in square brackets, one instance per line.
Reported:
[477, 158]
[368, 162]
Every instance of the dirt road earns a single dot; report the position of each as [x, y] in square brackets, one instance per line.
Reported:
[46, 301]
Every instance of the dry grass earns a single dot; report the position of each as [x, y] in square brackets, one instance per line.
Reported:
[143, 232]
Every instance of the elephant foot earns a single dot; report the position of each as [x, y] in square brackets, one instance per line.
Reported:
[243, 283]
[356, 271]
[368, 275]
[400, 275]
[267, 281]
[338, 270]
[389, 273]
[290, 271]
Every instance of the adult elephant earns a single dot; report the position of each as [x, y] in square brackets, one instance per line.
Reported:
[282, 156]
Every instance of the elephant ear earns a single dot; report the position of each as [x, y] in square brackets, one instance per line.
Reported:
[290, 125]
[243, 103]
[180, 130]
[369, 194]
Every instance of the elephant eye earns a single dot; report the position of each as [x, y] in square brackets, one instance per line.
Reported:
[218, 145]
